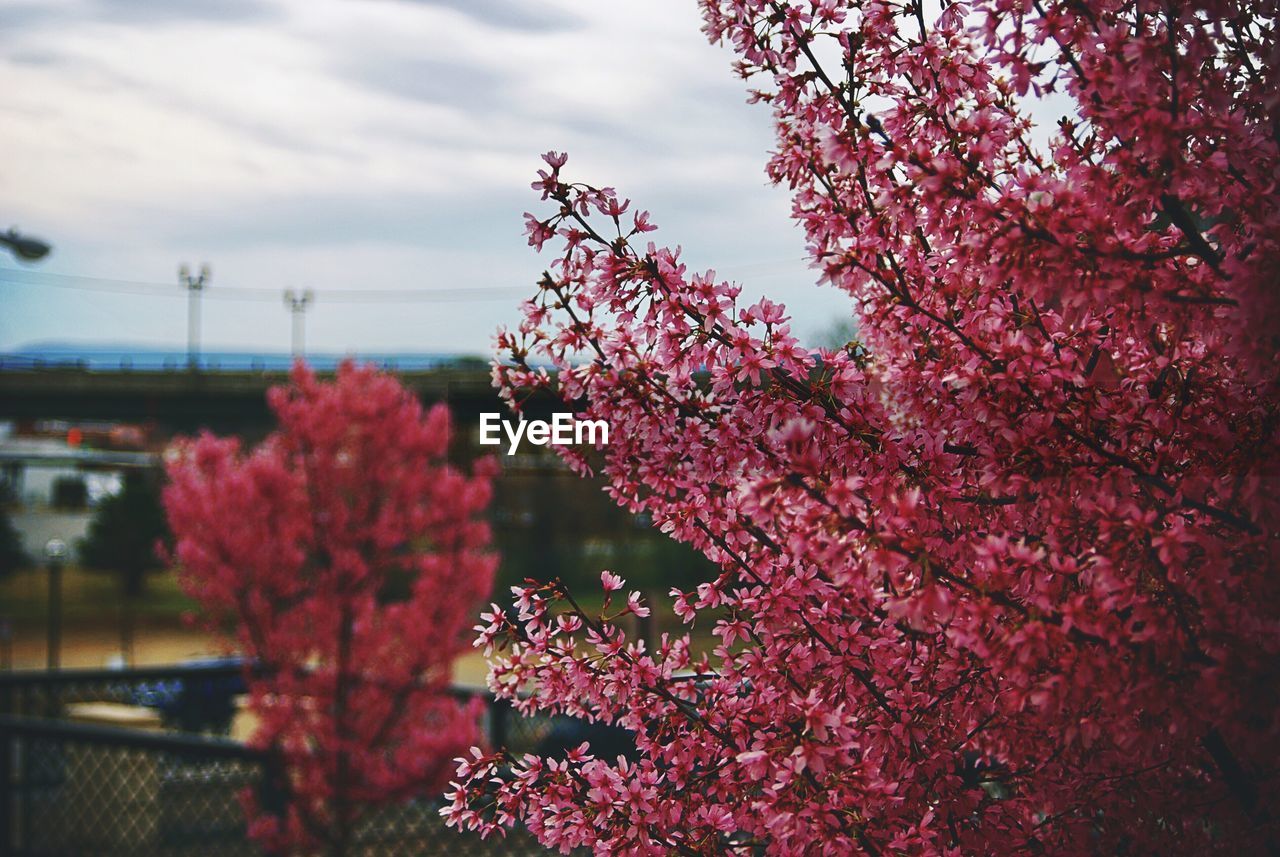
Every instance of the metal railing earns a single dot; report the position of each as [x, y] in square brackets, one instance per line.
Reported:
[32, 692]
[199, 698]
[174, 363]
[70, 788]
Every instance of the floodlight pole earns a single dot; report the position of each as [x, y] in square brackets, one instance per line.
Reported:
[194, 286]
[297, 304]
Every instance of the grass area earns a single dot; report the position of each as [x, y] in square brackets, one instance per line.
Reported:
[91, 619]
[88, 596]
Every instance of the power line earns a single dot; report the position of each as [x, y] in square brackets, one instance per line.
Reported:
[17, 277]
[21, 277]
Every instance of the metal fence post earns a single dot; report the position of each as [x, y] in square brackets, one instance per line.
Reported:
[273, 789]
[7, 808]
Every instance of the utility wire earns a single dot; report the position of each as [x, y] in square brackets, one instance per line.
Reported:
[18, 277]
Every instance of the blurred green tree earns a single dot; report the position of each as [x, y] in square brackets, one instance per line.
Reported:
[550, 524]
[122, 539]
[13, 555]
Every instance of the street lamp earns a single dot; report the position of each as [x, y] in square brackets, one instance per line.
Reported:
[25, 248]
[55, 553]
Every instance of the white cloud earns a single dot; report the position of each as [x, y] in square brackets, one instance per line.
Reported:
[384, 143]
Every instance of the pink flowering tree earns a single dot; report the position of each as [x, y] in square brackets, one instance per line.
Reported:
[344, 557]
[1000, 577]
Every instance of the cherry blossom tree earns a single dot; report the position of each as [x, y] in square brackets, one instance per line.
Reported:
[345, 558]
[1000, 577]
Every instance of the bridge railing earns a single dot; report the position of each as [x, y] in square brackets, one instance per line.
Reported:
[230, 362]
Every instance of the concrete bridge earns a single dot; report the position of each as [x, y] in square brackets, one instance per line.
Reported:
[184, 401]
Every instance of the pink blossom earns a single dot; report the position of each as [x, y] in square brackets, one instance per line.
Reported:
[999, 577]
[310, 555]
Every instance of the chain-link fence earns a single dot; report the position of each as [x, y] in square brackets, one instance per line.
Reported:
[78, 789]
[69, 788]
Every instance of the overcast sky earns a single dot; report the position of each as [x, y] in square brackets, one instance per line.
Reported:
[360, 144]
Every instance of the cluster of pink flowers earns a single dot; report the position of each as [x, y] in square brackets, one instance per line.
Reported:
[345, 558]
[1001, 576]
